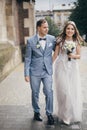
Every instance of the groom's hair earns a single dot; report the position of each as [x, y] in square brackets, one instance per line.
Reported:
[40, 22]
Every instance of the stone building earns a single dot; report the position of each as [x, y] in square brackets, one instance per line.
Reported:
[61, 14]
[17, 19]
[42, 14]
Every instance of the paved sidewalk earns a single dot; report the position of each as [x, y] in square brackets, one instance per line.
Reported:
[15, 102]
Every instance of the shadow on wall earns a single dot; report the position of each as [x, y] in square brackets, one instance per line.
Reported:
[10, 57]
[23, 49]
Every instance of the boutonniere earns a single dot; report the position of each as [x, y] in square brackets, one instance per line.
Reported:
[38, 44]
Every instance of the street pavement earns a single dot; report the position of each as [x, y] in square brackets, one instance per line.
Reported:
[15, 102]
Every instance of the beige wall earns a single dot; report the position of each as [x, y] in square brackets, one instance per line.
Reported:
[16, 24]
[29, 22]
[13, 21]
[3, 28]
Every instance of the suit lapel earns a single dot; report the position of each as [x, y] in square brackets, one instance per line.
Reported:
[47, 44]
[37, 42]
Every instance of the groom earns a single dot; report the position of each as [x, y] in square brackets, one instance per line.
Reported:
[38, 68]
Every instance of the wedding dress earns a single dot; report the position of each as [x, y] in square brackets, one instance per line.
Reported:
[68, 88]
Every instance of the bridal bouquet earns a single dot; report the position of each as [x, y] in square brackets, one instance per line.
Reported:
[68, 47]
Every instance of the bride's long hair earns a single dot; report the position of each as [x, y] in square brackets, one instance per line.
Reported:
[76, 36]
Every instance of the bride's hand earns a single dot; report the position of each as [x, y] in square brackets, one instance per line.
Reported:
[71, 56]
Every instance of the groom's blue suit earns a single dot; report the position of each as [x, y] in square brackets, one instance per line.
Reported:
[38, 66]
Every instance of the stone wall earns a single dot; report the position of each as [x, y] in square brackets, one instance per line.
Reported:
[3, 28]
[16, 24]
[26, 20]
[10, 57]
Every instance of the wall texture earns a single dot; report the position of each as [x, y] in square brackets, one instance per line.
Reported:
[17, 24]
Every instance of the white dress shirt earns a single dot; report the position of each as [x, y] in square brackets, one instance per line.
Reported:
[42, 42]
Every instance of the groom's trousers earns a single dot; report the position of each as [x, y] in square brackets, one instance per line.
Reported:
[35, 82]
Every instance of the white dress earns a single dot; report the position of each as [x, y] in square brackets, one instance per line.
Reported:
[68, 88]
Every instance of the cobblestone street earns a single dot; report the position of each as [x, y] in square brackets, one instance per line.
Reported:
[15, 102]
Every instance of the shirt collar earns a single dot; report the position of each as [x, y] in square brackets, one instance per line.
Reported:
[40, 36]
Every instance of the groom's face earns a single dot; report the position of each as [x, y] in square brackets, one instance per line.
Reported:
[43, 29]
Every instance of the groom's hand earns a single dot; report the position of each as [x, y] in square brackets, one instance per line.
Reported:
[27, 79]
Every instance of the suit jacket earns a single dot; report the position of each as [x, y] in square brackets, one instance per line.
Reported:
[36, 57]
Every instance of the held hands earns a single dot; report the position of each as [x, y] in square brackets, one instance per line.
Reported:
[27, 79]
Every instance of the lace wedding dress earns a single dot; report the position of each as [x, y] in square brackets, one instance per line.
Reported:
[68, 88]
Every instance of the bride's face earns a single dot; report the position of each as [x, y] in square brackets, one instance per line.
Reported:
[70, 31]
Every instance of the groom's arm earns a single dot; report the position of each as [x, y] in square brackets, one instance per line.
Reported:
[54, 43]
[27, 61]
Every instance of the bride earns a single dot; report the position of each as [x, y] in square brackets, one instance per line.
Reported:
[66, 74]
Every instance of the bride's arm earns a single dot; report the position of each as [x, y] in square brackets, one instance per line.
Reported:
[56, 52]
[77, 55]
